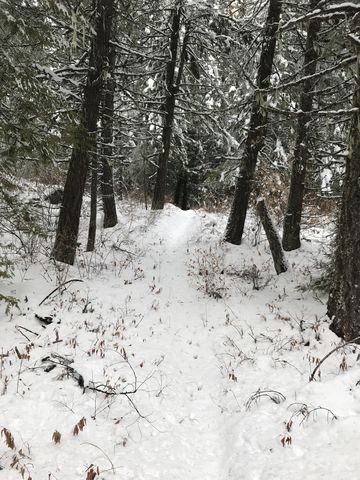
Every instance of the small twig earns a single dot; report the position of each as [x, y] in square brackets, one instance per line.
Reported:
[276, 397]
[304, 410]
[2, 355]
[23, 334]
[132, 403]
[104, 453]
[19, 328]
[18, 353]
[106, 390]
[52, 475]
[124, 250]
[313, 410]
[58, 288]
[110, 469]
[64, 405]
[287, 363]
[18, 377]
[312, 376]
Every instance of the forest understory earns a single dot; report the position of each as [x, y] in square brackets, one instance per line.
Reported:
[171, 354]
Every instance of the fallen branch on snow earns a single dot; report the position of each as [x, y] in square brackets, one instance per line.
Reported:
[58, 288]
[312, 376]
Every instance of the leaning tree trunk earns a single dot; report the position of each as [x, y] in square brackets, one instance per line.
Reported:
[171, 87]
[257, 130]
[68, 226]
[292, 221]
[344, 299]
[272, 235]
[107, 181]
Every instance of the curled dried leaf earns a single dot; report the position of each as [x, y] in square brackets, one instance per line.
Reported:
[56, 437]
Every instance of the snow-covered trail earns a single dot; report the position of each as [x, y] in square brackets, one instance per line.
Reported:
[169, 330]
[144, 317]
[186, 441]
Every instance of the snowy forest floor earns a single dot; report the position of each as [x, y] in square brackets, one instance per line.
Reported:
[205, 354]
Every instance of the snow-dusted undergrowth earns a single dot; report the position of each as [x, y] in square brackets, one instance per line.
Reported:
[177, 357]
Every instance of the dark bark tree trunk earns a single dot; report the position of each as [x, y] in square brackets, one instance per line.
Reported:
[277, 252]
[108, 196]
[107, 120]
[185, 197]
[171, 86]
[257, 130]
[68, 226]
[178, 190]
[181, 190]
[344, 299]
[93, 204]
[292, 221]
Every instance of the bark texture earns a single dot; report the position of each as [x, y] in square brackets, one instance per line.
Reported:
[93, 205]
[107, 180]
[292, 221]
[181, 190]
[68, 226]
[257, 130]
[277, 252]
[344, 299]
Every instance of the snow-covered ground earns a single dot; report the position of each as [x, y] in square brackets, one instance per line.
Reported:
[203, 353]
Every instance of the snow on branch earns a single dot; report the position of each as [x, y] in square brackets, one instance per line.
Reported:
[319, 13]
[354, 38]
[346, 61]
[323, 113]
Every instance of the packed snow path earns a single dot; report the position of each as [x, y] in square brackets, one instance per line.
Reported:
[188, 442]
[167, 327]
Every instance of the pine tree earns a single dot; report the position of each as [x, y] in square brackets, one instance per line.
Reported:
[344, 299]
[85, 142]
[107, 137]
[257, 129]
[291, 234]
[171, 89]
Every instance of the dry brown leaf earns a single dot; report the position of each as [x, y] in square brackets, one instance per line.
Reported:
[79, 427]
[92, 472]
[56, 437]
[9, 439]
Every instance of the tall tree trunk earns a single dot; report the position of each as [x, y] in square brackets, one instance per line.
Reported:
[107, 120]
[292, 221]
[181, 190]
[68, 226]
[93, 204]
[171, 86]
[108, 195]
[257, 130]
[344, 299]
